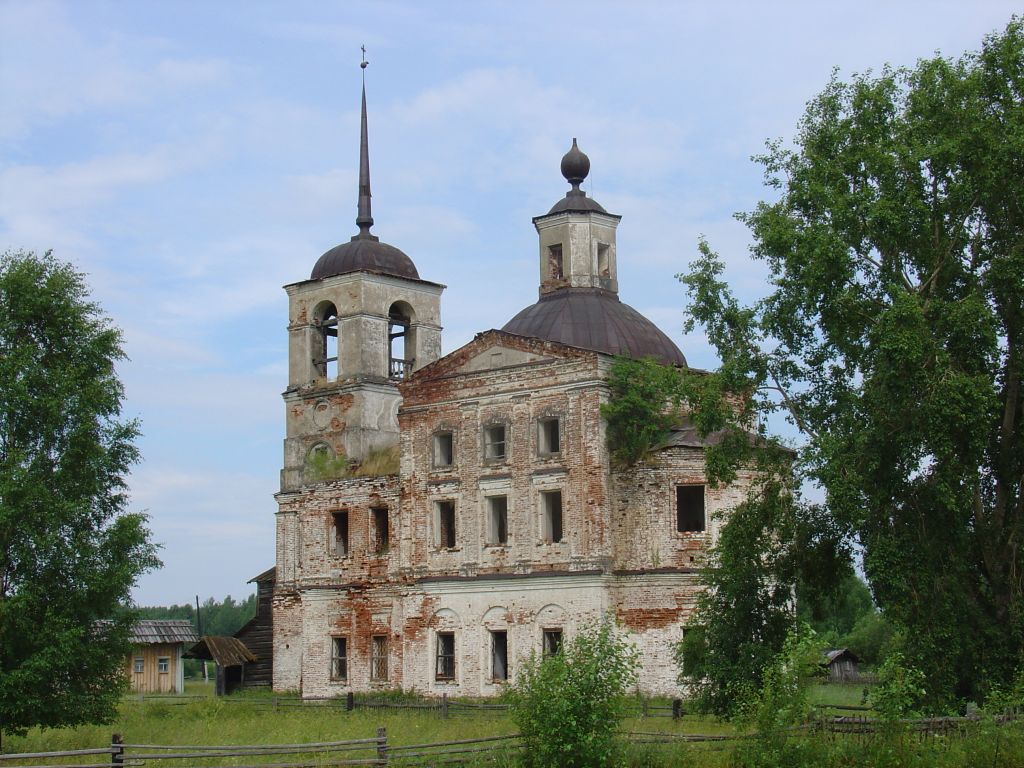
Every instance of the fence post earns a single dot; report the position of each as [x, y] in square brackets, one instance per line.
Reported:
[677, 708]
[382, 745]
[350, 701]
[116, 749]
[444, 706]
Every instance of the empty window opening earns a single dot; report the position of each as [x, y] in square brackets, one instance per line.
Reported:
[445, 524]
[379, 517]
[555, 262]
[603, 267]
[339, 524]
[499, 655]
[400, 345]
[551, 514]
[548, 438]
[690, 508]
[140, 665]
[497, 520]
[379, 657]
[552, 641]
[445, 669]
[444, 449]
[326, 356]
[163, 664]
[339, 658]
[494, 441]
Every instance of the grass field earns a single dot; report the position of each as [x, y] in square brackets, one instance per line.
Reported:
[252, 719]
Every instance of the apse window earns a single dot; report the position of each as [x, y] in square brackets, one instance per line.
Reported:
[555, 262]
[379, 518]
[690, 517]
[494, 441]
[444, 524]
[548, 436]
[379, 657]
[497, 520]
[551, 516]
[339, 528]
[445, 669]
[444, 449]
[552, 641]
[499, 655]
[339, 658]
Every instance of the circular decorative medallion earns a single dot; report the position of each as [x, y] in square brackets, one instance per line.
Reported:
[322, 414]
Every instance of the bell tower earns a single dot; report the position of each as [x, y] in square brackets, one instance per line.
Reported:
[361, 323]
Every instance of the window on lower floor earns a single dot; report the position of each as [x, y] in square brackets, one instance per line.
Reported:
[445, 669]
[379, 657]
[552, 641]
[497, 520]
[494, 441]
[444, 524]
[139, 665]
[551, 516]
[339, 530]
[690, 516]
[444, 449]
[499, 655]
[339, 658]
[379, 519]
[163, 664]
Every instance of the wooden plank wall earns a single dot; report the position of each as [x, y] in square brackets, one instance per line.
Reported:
[258, 636]
[150, 680]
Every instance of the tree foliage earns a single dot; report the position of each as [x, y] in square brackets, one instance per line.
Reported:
[568, 705]
[69, 553]
[893, 338]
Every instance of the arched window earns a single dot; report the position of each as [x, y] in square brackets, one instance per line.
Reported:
[401, 340]
[325, 354]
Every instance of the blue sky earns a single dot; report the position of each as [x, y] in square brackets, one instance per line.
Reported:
[193, 157]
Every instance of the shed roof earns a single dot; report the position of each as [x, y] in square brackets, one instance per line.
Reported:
[835, 654]
[225, 651]
[153, 631]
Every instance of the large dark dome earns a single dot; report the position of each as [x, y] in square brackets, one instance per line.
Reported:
[364, 253]
[594, 319]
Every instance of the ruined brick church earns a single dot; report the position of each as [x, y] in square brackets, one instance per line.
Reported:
[506, 528]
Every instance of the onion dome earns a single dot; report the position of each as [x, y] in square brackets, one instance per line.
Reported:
[364, 252]
[595, 319]
[575, 167]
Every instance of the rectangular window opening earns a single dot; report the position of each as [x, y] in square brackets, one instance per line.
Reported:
[379, 516]
[548, 438]
[551, 514]
[497, 520]
[339, 524]
[339, 658]
[555, 262]
[690, 517]
[499, 655]
[445, 524]
[603, 267]
[445, 656]
[379, 657]
[494, 441]
[163, 664]
[444, 449]
[139, 665]
[552, 641]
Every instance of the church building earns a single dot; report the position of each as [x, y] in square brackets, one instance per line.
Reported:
[495, 523]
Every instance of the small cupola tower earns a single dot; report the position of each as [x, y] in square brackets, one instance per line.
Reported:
[361, 323]
[577, 236]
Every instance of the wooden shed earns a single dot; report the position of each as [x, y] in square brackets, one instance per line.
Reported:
[230, 655]
[258, 634]
[842, 665]
[155, 663]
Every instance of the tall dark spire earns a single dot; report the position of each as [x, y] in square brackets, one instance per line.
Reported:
[364, 219]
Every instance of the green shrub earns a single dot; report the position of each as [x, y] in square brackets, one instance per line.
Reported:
[568, 705]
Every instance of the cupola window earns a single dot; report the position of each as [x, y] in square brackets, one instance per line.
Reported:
[555, 262]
